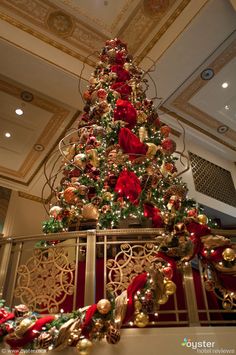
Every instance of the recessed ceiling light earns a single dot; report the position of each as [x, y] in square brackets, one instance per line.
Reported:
[226, 107]
[19, 111]
[225, 85]
[222, 129]
[7, 135]
[207, 74]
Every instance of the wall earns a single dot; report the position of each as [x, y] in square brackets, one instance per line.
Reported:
[24, 216]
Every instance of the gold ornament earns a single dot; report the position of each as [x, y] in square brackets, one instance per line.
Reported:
[138, 306]
[142, 133]
[228, 254]
[104, 306]
[170, 287]
[141, 117]
[141, 320]
[152, 149]
[22, 328]
[107, 196]
[21, 310]
[84, 346]
[227, 305]
[93, 157]
[163, 299]
[44, 340]
[113, 335]
[69, 152]
[202, 219]
[82, 190]
[90, 211]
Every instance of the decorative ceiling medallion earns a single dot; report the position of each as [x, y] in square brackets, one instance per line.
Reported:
[60, 23]
[26, 96]
[155, 8]
[207, 74]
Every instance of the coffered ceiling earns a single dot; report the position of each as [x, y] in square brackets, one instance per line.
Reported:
[49, 48]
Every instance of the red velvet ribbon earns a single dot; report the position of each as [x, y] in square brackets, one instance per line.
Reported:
[88, 316]
[137, 284]
[197, 231]
[6, 317]
[168, 259]
[32, 333]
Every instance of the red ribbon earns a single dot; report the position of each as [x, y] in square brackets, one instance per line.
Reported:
[137, 283]
[32, 333]
[88, 316]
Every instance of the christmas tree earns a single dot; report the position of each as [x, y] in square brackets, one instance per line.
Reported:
[121, 165]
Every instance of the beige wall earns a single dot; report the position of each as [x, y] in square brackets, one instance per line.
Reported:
[24, 216]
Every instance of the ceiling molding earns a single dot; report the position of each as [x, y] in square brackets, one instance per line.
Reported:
[182, 104]
[199, 129]
[31, 197]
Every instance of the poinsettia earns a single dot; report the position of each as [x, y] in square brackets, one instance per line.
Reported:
[125, 111]
[122, 74]
[128, 185]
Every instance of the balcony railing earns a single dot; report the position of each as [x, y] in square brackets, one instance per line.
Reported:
[79, 268]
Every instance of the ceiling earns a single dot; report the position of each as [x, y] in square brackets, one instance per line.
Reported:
[49, 48]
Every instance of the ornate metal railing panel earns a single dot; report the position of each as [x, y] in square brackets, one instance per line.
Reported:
[62, 272]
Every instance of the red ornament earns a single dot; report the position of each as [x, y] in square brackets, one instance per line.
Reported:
[87, 95]
[193, 212]
[165, 130]
[131, 144]
[168, 146]
[126, 112]
[128, 185]
[102, 94]
[168, 272]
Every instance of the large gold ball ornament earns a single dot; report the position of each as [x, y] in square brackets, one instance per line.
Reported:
[170, 287]
[227, 305]
[84, 346]
[90, 211]
[141, 320]
[202, 219]
[163, 299]
[228, 254]
[104, 306]
[107, 196]
[22, 328]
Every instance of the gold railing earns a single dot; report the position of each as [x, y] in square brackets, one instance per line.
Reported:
[84, 266]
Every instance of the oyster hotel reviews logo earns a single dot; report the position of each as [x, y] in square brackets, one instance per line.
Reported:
[205, 347]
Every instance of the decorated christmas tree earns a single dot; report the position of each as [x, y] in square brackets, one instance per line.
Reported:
[120, 169]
